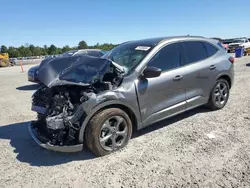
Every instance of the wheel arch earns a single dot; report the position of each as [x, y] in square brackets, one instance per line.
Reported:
[227, 78]
[131, 111]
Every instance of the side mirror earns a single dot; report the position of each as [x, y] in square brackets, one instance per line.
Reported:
[151, 72]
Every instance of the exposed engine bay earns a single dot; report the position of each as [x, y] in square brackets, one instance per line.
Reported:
[60, 107]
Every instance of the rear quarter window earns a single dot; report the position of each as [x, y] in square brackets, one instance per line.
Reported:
[220, 45]
[211, 50]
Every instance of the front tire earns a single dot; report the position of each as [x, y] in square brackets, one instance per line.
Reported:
[108, 131]
[219, 95]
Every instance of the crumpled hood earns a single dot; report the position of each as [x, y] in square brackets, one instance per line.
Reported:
[77, 70]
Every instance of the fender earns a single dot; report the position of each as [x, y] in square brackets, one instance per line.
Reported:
[223, 73]
[229, 74]
[103, 105]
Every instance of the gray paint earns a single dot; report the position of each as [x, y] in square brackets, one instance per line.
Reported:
[155, 102]
[154, 99]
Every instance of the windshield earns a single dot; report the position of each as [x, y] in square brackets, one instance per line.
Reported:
[128, 55]
[69, 53]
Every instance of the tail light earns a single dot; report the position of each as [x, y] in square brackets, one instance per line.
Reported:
[231, 59]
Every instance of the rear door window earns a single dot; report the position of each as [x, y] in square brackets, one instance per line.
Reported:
[194, 51]
[211, 50]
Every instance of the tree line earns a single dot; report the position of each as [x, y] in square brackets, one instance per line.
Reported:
[28, 50]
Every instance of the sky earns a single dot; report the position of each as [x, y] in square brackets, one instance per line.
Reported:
[66, 22]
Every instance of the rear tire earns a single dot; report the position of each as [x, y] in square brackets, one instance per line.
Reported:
[219, 95]
[108, 131]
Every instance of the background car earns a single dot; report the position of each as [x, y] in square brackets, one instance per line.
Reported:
[32, 73]
[238, 43]
[226, 42]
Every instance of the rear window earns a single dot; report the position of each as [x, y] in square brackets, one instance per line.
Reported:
[93, 53]
[194, 51]
[211, 50]
[69, 53]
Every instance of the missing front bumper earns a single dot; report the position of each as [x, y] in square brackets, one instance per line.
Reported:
[73, 148]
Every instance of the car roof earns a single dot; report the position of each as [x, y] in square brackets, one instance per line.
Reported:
[156, 41]
[88, 50]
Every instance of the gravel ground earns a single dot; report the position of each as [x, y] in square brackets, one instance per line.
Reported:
[199, 148]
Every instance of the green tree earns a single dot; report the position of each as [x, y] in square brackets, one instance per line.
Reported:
[37, 51]
[107, 46]
[52, 50]
[82, 45]
[43, 52]
[59, 51]
[13, 52]
[66, 48]
[45, 49]
[24, 51]
[32, 49]
[4, 49]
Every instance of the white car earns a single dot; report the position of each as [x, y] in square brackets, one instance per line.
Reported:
[239, 43]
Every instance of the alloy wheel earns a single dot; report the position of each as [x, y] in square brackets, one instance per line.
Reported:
[220, 94]
[113, 133]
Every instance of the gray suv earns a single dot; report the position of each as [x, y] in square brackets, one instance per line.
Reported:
[97, 102]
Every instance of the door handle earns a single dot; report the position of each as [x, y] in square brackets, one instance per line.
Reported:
[212, 67]
[178, 77]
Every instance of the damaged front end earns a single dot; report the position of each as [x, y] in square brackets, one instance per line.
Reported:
[67, 96]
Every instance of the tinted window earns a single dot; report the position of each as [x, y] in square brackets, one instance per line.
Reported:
[81, 52]
[211, 50]
[69, 53]
[101, 53]
[220, 44]
[194, 51]
[93, 53]
[167, 58]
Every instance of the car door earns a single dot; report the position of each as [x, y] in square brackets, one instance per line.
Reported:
[200, 67]
[163, 96]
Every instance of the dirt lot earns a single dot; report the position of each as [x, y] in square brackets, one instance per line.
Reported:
[197, 149]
